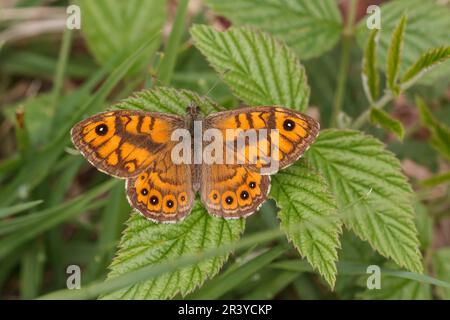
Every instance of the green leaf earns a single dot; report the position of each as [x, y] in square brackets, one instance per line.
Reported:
[440, 133]
[308, 216]
[108, 27]
[259, 69]
[441, 266]
[310, 27]
[146, 243]
[426, 29]
[424, 225]
[394, 56]
[373, 195]
[427, 61]
[436, 180]
[227, 281]
[370, 78]
[383, 119]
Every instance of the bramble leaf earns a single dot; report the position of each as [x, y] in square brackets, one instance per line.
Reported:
[370, 78]
[310, 27]
[145, 243]
[259, 69]
[394, 56]
[308, 216]
[373, 195]
[379, 117]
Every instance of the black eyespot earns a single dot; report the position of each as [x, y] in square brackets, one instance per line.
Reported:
[252, 184]
[144, 192]
[182, 198]
[170, 203]
[215, 196]
[244, 195]
[229, 200]
[154, 200]
[288, 125]
[101, 129]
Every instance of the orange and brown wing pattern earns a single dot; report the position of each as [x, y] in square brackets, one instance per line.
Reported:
[123, 143]
[295, 133]
[162, 193]
[232, 191]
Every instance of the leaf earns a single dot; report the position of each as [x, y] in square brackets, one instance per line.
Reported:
[440, 133]
[109, 27]
[428, 60]
[426, 29]
[436, 180]
[394, 56]
[370, 79]
[379, 117]
[372, 194]
[9, 211]
[424, 225]
[259, 69]
[308, 216]
[146, 243]
[310, 27]
[228, 281]
[441, 266]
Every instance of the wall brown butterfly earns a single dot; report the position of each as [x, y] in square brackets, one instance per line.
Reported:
[137, 146]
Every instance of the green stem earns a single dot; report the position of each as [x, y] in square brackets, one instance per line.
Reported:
[347, 36]
[361, 120]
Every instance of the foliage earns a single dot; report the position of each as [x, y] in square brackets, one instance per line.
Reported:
[346, 205]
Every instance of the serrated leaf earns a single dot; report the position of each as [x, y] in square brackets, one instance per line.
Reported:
[370, 78]
[109, 27]
[441, 267]
[259, 69]
[308, 216]
[310, 27]
[426, 61]
[426, 29]
[394, 56]
[440, 133]
[383, 119]
[145, 243]
[373, 195]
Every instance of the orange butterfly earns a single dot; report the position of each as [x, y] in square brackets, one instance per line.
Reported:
[138, 145]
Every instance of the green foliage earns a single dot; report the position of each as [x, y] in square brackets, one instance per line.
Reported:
[145, 243]
[394, 55]
[308, 216]
[310, 27]
[347, 179]
[440, 133]
[379, 117]
[370, 78]
[259, 69]
[111, 28]
[425, 30]
[371, 192]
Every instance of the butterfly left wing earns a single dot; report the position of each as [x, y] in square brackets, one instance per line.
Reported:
[295, 132]
[123, 143]
[163, 192]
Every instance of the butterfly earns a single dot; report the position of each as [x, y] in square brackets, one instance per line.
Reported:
[137, 146]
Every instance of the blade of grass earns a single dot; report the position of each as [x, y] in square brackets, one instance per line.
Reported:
[269, 289]
[9, 211]
[31, 272]
[167, 65]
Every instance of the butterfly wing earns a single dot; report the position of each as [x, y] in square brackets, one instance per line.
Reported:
[123, 143]
[163, 192]
[232, 191]
[296, 132]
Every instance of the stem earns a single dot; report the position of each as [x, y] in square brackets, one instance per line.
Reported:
[359, 122]
[347, 35]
